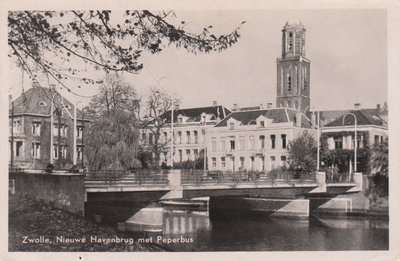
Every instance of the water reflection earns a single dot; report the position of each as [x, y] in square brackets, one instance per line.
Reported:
[266, 234]
[168, 222]
[193, 230]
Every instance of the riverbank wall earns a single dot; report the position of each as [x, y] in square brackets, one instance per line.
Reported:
[61, 190]
[38, 227]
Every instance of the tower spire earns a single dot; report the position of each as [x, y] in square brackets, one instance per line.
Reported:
[293, 69]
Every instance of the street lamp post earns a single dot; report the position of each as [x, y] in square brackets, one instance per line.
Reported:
[318, 142]
[355, 138]
[172, 134]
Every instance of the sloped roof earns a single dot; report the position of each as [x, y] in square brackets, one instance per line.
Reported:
[364, 117]
[30, 102]
[329, 116]
[278, 115]
[248, 108]
[293, 23]
[305, 121]
[194, 114]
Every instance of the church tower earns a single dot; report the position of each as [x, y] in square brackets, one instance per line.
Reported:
[293, 69]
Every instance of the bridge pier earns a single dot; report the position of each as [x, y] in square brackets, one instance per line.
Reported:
[175, 184]
[330, 204]
[233, 207]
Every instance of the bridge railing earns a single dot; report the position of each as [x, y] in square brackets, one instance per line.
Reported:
[339, 177]
[198, 177]
[128, 177]
[216, 177]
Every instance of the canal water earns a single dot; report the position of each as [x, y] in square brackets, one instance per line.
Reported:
[191, 229]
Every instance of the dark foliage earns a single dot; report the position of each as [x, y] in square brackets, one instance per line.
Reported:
[51, 43]
[112, 142]
[303, 153]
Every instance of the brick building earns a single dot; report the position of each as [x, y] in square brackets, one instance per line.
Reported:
[32, 138]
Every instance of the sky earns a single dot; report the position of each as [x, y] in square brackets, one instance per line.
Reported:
[347, 49]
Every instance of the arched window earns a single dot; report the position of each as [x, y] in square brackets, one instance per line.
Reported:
[289, 104]
[296, 105]
[290, 41]
[289, 82]
[305, 76]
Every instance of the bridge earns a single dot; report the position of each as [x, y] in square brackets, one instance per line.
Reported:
[187, 184]
[284, 191]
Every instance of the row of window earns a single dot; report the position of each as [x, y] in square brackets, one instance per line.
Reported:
[378, 139]
[188, 155]
[251, 143]
[190, 137]
[36, 127]
[339, 141]
[289, 83]
[35, 150]
[230, 163]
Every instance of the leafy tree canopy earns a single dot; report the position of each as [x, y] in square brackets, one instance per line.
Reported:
[156, 104]
[51, 43]
[115, 95]
[112, 142]
[379, 162]
[303, 153]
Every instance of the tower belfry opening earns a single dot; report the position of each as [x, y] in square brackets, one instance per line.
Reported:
[293, 69]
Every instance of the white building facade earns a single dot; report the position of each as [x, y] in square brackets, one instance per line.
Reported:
[189, 133]
[255, 140]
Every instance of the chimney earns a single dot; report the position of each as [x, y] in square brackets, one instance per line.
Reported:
[378, 108]
[357, 106]
[269, 105]
[215, 103]
[235, 107]
[298, 119]
[385, 106]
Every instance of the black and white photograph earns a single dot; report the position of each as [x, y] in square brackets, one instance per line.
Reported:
[199, 130]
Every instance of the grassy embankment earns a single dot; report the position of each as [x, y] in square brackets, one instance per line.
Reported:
[35, 220]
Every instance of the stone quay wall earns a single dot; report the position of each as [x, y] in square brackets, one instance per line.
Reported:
[61, 190]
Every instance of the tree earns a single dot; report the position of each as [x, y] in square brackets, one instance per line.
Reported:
[379, 162]
[378, 189]
[303, 153]
[156, 106]
[113, 134]
[50, 43]
[115, 95]
[113, 142]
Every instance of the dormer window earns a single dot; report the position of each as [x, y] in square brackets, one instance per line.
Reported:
[231, 125]
[68, 107]
[252, 122]
[42, 103]
[262, 123]
[203, 117]
[180, 117]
